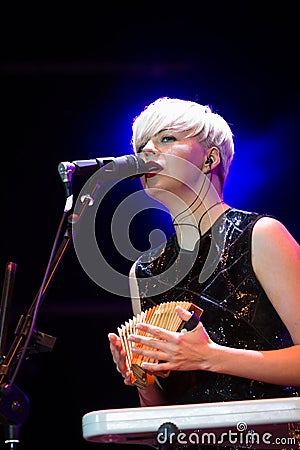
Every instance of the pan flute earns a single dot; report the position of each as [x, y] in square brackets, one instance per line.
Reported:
[162, 315]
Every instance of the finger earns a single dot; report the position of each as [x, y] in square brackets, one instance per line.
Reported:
[114, 341]
[145, 341]
[190, 319]
[184, 314]
[112, 337]
[156, 368]
[157, 332]
[127, 378]
[151, 354]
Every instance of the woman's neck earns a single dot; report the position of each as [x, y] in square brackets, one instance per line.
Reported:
[193, 221]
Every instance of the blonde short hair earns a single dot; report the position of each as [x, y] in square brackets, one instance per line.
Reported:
[184, 115]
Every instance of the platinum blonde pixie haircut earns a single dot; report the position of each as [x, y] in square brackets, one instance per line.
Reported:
[184, 115]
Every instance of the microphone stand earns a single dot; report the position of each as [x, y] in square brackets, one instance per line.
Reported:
[14, 404]
[13, 401]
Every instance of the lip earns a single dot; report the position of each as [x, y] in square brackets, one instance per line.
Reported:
[154, 168]
[150, 175]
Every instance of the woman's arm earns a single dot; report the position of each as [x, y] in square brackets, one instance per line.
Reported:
[276, 263]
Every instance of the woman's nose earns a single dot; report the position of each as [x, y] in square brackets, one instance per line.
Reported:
[149, 151]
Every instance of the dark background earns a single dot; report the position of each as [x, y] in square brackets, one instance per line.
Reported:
[71, 81]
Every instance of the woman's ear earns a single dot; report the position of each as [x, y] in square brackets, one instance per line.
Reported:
[213, 159]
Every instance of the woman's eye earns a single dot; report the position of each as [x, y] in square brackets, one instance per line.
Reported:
[166, 139]
[162, 140]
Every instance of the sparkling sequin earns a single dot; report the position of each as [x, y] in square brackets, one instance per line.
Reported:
[237, 312]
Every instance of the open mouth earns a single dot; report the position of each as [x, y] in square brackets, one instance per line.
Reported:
[154, 168]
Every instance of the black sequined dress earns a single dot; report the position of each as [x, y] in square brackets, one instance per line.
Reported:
[218, 277]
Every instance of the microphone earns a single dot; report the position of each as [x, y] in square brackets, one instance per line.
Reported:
[123, 167]
[127, 166]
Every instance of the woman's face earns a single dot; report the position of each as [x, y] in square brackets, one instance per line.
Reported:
[181, 159]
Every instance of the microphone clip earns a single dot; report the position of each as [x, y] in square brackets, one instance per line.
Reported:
[65, 170]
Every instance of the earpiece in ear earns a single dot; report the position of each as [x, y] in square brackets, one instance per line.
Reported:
[209, 161]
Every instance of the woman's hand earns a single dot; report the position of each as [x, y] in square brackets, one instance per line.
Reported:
[119, 358]
[174, 350]
[151, 395]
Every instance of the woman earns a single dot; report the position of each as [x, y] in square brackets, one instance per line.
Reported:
[240, 267]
